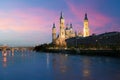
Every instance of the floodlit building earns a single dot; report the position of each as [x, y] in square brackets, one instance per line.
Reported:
[86, 31]
[66, 32]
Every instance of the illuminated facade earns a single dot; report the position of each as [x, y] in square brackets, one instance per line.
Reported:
[64, 33]
[62, 27]
[53, 33]
[60, 40]
[86, 27]
[67, 31]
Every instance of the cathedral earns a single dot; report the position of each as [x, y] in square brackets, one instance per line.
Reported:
[66, 32]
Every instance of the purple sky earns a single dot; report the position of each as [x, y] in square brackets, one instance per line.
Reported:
[29, 22]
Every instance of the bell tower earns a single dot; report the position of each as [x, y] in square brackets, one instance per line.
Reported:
[86, 27]
[53, 33]
[62, 26]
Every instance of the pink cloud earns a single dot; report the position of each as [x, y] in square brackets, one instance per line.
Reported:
[31, 25]
[96, 19]
[99, 20]
[27, 20]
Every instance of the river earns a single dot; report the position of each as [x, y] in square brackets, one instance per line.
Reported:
[31, 65]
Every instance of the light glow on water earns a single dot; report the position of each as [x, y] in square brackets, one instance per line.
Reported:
[29, 65]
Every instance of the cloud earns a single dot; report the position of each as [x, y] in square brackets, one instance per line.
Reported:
[27, 20]
[96, 19]
[30, 26]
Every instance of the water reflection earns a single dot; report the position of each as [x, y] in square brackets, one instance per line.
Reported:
[4, 53]
[60, 67]
[86, 67]
[4, 61]
[63, 66]
[47, 60]
[57, 67]
[9, 56]
[12, 51]
[59, 63]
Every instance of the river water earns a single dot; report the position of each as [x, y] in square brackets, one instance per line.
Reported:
[31, 65]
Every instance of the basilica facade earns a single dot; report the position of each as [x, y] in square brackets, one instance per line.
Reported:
[67, 31]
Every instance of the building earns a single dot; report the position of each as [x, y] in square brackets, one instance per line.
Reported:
[60, 40]
[86, 31]
[67, 32]
[53, 33]
[104, 41]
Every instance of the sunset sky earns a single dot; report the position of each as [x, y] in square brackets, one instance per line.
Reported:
[29, 22]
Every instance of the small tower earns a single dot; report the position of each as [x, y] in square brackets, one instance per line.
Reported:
[53, 33]
[86, 27]
[72, 33]
[67, 31]
[71, 28]
[62, 26]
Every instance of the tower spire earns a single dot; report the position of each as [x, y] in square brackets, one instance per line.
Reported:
[86, 26]
[86, 18]
[71, 25]
[53, 33]
[61, 17]
[53, 25]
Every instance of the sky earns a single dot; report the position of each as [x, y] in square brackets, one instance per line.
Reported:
[29, 22]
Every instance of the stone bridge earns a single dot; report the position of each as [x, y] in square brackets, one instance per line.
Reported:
[4, 48]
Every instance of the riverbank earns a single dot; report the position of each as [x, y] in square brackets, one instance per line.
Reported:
[107, 53]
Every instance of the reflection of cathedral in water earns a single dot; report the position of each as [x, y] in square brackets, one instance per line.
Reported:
[59, 64]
